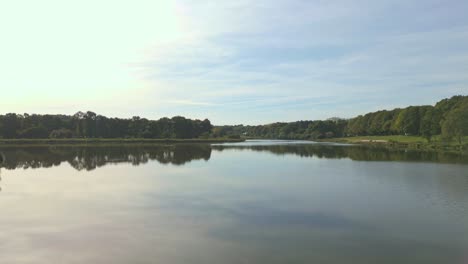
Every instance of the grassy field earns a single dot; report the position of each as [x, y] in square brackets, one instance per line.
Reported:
[401, 139]
[106, 141]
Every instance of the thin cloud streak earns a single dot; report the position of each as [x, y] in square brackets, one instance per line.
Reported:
[244, 61]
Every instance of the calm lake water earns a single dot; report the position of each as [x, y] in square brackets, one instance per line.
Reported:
[252, 202]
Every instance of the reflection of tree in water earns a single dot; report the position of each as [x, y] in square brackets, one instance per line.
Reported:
[89, 158]
[359, 153]
[2, 159]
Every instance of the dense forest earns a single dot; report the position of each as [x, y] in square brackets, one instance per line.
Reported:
[91, 125]
[448, 118]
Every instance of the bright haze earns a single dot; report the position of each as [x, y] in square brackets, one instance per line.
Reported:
[242, 61]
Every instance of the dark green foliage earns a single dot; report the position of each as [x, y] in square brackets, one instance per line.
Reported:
[430, 123]
[91, 125]
[34, 132]
[446, 105]
[446, 117]
[61, 133]
[414, 120]
[407, 122]
[10, 125]
[455, 123]
[293, 130]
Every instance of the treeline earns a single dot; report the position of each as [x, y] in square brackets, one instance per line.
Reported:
[293, 130]
[91, 125]
[448, 118]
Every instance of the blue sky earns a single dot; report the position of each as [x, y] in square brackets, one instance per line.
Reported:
[233, 62]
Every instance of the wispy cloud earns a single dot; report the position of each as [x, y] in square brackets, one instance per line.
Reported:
[240, 61]
[189, 102]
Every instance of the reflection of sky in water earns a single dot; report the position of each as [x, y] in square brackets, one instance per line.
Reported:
[268, 142]
[239, 207]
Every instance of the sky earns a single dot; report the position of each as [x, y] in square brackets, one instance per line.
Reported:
[233, 62]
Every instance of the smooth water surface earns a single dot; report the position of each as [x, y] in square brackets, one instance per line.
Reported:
[252, 202]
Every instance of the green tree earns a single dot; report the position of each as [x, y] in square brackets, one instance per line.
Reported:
[456, 123]
[430, 123]
[34, 132]
[407, 122]
[10, 125]
[61, 133]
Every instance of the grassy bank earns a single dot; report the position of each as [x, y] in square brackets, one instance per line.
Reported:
[381, 139]
[413, 142]
[106, 141]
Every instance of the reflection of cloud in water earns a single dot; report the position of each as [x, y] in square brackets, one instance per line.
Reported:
[265, 234]
[273, 217]
[251, 214]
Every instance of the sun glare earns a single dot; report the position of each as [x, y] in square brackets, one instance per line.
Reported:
[92, 46]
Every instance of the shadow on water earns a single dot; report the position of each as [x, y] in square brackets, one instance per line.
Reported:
[90, 158]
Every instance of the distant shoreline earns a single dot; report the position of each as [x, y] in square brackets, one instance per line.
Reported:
[406, 142]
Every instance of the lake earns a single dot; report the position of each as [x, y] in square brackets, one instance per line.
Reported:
[251, 202]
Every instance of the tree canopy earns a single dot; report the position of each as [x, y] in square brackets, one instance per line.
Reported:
[426, 121]
[448, 117]
[455, 123]
[91, 125]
